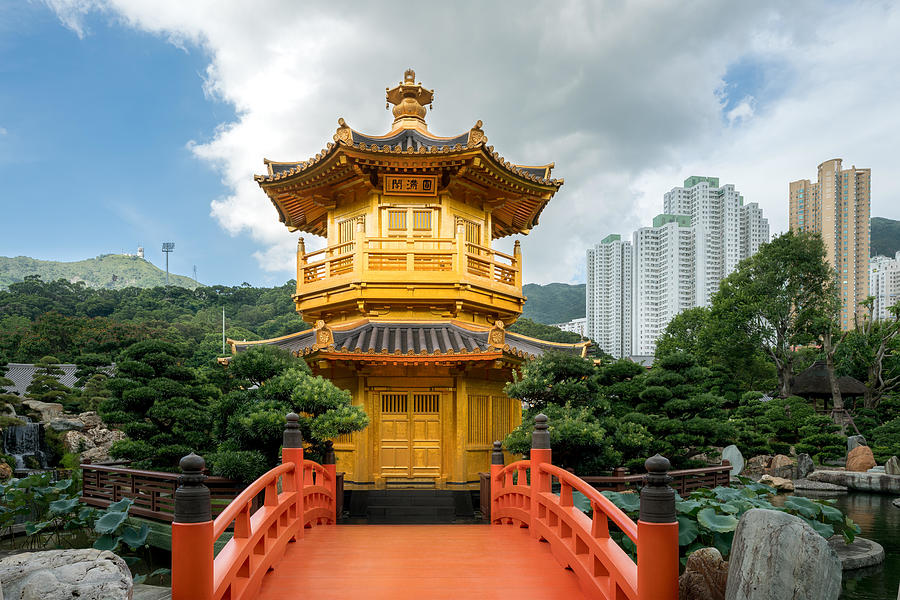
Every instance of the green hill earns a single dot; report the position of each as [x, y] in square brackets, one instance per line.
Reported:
[885, 236]
[554, 302]
[109, 271]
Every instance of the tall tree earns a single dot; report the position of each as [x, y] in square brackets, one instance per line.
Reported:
[777, 300]
[870, 352]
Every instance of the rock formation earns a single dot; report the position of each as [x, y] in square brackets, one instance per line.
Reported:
[704, 577]
[805, 466]
[734, 456]
[892, 466]
[775, 555]
[782, 466]
[782, 484]
[860, 459]
[86, 574]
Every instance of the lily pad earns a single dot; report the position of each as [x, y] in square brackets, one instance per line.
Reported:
[109, 522]
[687, 530]
[804, 506]
[59, 507]
[709, 519]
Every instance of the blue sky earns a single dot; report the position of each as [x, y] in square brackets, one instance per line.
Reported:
[127, 122]
[95, 158]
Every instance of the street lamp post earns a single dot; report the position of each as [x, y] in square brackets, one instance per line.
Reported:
[166, 248]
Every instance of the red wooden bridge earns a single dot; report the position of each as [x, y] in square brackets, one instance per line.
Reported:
[539, 544]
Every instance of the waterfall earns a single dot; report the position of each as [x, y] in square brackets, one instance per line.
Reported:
[23, 441]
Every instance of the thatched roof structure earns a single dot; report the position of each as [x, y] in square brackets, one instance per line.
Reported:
[814, 383]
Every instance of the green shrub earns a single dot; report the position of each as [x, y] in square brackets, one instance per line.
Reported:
[241, 465]
[7, 421]
[8, 460]
[885, 440]
[820, 440]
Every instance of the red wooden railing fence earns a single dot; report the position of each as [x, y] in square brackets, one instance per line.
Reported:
[684, 481]
[521, 495]
[298, 494]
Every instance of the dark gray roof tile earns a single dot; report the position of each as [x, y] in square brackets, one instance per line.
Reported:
[415, 338]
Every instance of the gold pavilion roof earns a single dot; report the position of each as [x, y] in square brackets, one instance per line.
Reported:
[303, 191]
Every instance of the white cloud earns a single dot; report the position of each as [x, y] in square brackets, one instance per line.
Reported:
[742, 112]
[624, 97]
[3, 131]
[72, 13]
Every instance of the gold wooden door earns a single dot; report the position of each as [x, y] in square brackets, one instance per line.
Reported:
[410, 435]
[395, 435]
[426, 435]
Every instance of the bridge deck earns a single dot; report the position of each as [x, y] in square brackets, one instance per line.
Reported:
[362, 562]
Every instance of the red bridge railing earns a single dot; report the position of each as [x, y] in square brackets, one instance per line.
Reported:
[522, 495]
[298, 494]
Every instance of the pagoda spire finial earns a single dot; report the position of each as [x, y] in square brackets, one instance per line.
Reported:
[409, 100]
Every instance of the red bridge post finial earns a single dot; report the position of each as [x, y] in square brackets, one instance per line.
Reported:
[192, 534]
[540, 455]
[292, 452]
[657, 543]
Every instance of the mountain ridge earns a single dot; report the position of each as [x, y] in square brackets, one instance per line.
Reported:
[108, 271]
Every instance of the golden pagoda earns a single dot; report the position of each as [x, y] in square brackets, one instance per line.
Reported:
[408, 299]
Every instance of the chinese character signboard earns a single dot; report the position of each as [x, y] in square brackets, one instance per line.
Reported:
[410, 185]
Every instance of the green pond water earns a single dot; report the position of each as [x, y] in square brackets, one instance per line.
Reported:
[879, 520]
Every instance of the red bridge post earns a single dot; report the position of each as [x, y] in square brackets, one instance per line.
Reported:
[496, 467]
[657, 545]
[328, 462]
[540, 455]
[192, 534]
[292, 452]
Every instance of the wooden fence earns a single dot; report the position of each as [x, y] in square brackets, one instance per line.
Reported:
[153, 492]
[683, 481]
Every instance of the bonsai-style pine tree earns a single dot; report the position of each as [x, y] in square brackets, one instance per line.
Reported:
[584, 434]
[249, 421]
[683, 417]
[162, 407]
[45, 385]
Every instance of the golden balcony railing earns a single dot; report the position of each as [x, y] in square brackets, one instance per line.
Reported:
[408, 260]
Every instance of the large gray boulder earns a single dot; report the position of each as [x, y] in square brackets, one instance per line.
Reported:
[892, 466]
[86, 574]
[47, 410]
[855, 440]
[62, 424]
[734, 456]
[775, 555]
[805, 465]
[878, 483]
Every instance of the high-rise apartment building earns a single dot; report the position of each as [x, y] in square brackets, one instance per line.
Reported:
[838, 206]
[663, 278]
[608, 295]
[725, 231]
[884, 284]
[677, 264]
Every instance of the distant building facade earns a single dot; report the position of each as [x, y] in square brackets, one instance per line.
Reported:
[664, 282]
[837, 206]
[884, 284]
[608, 295]
[725, 231]
[574, 326]
[676, 264]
